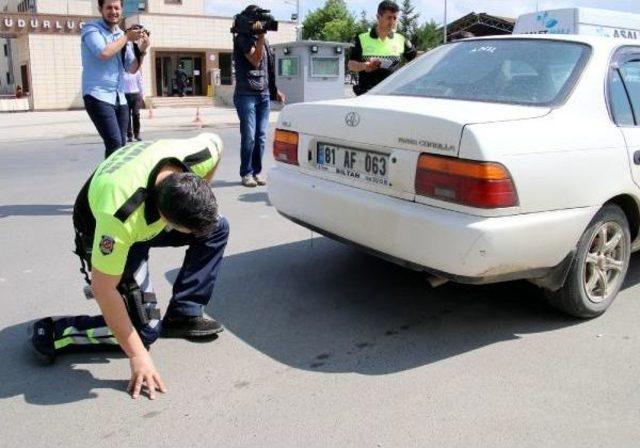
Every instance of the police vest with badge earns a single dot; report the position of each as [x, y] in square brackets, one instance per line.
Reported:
[117, 203]
[117, 219]
[392, 52]
[116, 207]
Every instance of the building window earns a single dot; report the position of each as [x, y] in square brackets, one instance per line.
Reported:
[8, 78]
[27, 6]
[6, 50]
[173, 2]
[324, 67]
[132, 7]
[288, 66]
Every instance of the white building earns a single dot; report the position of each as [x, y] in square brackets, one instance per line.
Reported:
[44, 44]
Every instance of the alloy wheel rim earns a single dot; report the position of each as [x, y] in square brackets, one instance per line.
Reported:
[604, 264]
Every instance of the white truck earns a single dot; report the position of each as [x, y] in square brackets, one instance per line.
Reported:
[584, 21]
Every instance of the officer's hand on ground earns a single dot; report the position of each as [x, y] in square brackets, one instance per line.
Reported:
[144, 373]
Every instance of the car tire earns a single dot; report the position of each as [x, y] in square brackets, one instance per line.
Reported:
[599, 268]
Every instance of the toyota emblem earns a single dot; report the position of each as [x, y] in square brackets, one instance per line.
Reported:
[352, 119]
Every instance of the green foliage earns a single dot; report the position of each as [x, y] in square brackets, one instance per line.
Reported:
[428, 36]
[408, 22]
[331, 22]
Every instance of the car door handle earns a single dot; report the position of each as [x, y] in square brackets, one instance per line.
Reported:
[636, 157]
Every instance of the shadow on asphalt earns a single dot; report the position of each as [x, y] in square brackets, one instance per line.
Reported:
[633, 274]
[254, 198]
[35, 210]
[225, 183]
[326, 307]
[65, 381]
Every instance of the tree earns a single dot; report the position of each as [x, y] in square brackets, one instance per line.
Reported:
[428, 36]
[333, 21]
[363, 24]
[408, 23]
[341, 30]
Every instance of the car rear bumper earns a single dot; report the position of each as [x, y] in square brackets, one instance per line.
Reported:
[458, 246]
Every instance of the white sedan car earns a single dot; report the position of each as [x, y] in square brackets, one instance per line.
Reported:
[483, 161]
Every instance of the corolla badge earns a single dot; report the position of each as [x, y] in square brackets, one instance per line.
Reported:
[352, 119]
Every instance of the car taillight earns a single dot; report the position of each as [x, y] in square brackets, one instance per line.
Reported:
[466, 182]
[285, 146]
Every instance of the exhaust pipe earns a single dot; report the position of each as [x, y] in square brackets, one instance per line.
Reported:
[436, 281]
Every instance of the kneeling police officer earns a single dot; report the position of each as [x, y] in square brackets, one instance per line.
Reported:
[145, 195]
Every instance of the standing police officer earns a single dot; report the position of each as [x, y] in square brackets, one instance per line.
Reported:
[379, 52]
[145, 195]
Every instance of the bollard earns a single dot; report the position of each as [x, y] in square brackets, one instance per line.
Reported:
[198, 120]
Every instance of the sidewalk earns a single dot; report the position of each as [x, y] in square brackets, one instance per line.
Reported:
[33, 126]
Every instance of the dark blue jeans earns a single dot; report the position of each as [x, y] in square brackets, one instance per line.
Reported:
[253, 111]
[192, 289]
[110, 121]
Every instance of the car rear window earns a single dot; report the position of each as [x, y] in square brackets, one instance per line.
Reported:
[518, 71]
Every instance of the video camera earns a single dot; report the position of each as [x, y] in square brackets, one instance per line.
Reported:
[243, 23]
[139, 27]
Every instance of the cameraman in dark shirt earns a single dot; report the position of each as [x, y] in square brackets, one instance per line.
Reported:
[255, 87]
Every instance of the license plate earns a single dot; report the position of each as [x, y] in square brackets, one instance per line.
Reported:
[355, 163]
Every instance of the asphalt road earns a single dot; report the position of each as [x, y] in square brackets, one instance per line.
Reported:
[324, 346]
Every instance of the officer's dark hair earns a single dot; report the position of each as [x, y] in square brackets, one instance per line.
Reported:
[186, 200]
[387, 5]
[101, 3]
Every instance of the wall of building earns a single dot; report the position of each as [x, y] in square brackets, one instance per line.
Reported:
[70, 7]
[56, 82]
[199, 32]
[54, 62]
[9, 5]
[5, 87]
[204, 34]
[185, 7]
[20, 48]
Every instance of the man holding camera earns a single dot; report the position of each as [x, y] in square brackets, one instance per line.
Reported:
[255, 87]
[379, 52]
[107, 52]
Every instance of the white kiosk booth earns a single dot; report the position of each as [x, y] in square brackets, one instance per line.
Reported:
[311, 70]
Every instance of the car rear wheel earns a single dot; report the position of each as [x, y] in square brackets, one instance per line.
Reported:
[599, 268]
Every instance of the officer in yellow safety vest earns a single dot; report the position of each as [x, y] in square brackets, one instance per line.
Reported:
[148, 194]
[380, 52]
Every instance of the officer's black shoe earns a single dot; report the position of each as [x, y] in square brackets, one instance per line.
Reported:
[190, 327]
[41, 340]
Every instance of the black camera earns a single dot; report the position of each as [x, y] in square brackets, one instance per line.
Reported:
[244, 22]
[139, 27]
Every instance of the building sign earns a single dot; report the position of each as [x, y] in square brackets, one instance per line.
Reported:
[17, 24]
[580, 21]
[560, 21]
